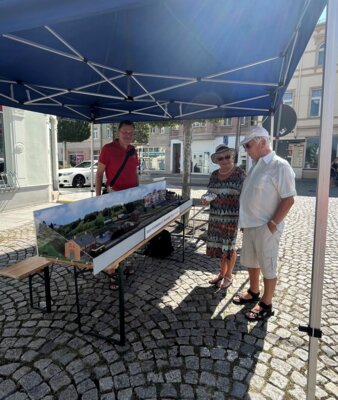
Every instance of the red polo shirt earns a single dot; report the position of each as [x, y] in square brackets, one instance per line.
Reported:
[112, 156]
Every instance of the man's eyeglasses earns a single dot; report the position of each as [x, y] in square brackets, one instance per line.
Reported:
[247, 145]
[223, 158]
[252, 141]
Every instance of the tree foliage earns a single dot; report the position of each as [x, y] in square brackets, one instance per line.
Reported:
[70, 130]
[142, 132]
[142, 129]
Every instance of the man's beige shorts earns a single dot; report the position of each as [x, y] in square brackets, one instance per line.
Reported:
[260, 250]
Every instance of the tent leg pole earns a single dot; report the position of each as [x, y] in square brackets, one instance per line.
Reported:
[322, 196]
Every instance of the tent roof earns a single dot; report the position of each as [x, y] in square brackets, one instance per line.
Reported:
[151, 59]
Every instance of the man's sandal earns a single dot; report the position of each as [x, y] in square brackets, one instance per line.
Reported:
[262, 314]
[239, 299]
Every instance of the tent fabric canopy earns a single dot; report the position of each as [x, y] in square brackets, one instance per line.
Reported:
[151, 60]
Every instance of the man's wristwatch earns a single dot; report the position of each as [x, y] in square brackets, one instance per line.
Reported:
[273, 222]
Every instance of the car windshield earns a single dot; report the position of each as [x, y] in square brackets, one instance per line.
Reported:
[84, 164]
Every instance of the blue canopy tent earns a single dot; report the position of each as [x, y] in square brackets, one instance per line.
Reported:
[151, 59]
[155, 60]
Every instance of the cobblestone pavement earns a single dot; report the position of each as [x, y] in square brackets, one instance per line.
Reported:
[185, 340]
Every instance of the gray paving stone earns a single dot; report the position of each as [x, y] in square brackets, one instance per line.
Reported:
[207, 378]
[186, 391]
[192, 362]
[173, 376]
[59, 380]
[7, 387]
[30, 380]
[238, 390]
[91, 395]
[168, 391]
[191, 377]
[206, 364]
[18, 396]
[146, 392]
[70, 393]
[203, 393]
[8, 369]
[239, 373]
[106, 384]
[48, 369]
[39, 392]
[125, 394]
[117, 368]
[217, 354]
[121, 381]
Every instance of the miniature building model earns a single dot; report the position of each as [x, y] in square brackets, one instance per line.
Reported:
[82, 243]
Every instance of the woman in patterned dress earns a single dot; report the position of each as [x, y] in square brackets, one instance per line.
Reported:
[226, 182]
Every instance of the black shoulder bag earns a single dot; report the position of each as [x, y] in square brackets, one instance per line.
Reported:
[130, 152]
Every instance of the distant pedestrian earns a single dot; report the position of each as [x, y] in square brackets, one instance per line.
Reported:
[334, 172]
[224, 189]
[267, 196]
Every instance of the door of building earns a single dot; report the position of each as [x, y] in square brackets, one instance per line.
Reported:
[176, 158]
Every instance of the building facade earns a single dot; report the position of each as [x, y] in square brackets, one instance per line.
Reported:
[28, 158]
[304, 94]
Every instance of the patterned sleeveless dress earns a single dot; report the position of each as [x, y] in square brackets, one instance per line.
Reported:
[224, 211]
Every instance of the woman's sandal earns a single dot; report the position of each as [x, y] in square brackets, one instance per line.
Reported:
[216, 280]
[225, 283]
[262, 314]
[239, 299]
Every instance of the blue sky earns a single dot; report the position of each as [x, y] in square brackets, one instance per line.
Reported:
[322, 18]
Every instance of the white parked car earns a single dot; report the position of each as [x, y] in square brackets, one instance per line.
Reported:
[77, 176]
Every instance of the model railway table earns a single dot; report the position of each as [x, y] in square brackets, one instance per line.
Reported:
[117, 255]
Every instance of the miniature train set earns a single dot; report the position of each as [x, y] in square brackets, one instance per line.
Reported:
[85, 236]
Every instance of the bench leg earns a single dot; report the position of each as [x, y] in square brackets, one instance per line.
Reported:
[30, 291]
[77, 300]
[46, 275]
[48, 296]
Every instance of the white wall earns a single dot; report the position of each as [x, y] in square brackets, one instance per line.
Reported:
[28, 155]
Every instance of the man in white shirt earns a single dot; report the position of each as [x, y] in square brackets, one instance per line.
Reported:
[267, 196]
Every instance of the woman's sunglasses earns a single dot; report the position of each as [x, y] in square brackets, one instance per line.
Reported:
[223, 158]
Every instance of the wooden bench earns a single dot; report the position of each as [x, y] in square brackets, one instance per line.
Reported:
[28, 268]
[25, 268]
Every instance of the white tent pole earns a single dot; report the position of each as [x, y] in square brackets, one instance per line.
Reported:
[272, 126]
[322, 201]
[92, 158]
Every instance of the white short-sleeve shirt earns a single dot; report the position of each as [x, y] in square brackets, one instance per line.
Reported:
[270, 180]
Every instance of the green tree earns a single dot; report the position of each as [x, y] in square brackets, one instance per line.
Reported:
[70, 130]
[142, 132]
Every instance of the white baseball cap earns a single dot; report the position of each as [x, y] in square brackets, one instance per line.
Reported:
[256, 131]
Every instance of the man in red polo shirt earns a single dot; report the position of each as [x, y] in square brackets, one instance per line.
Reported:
[111, 158]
